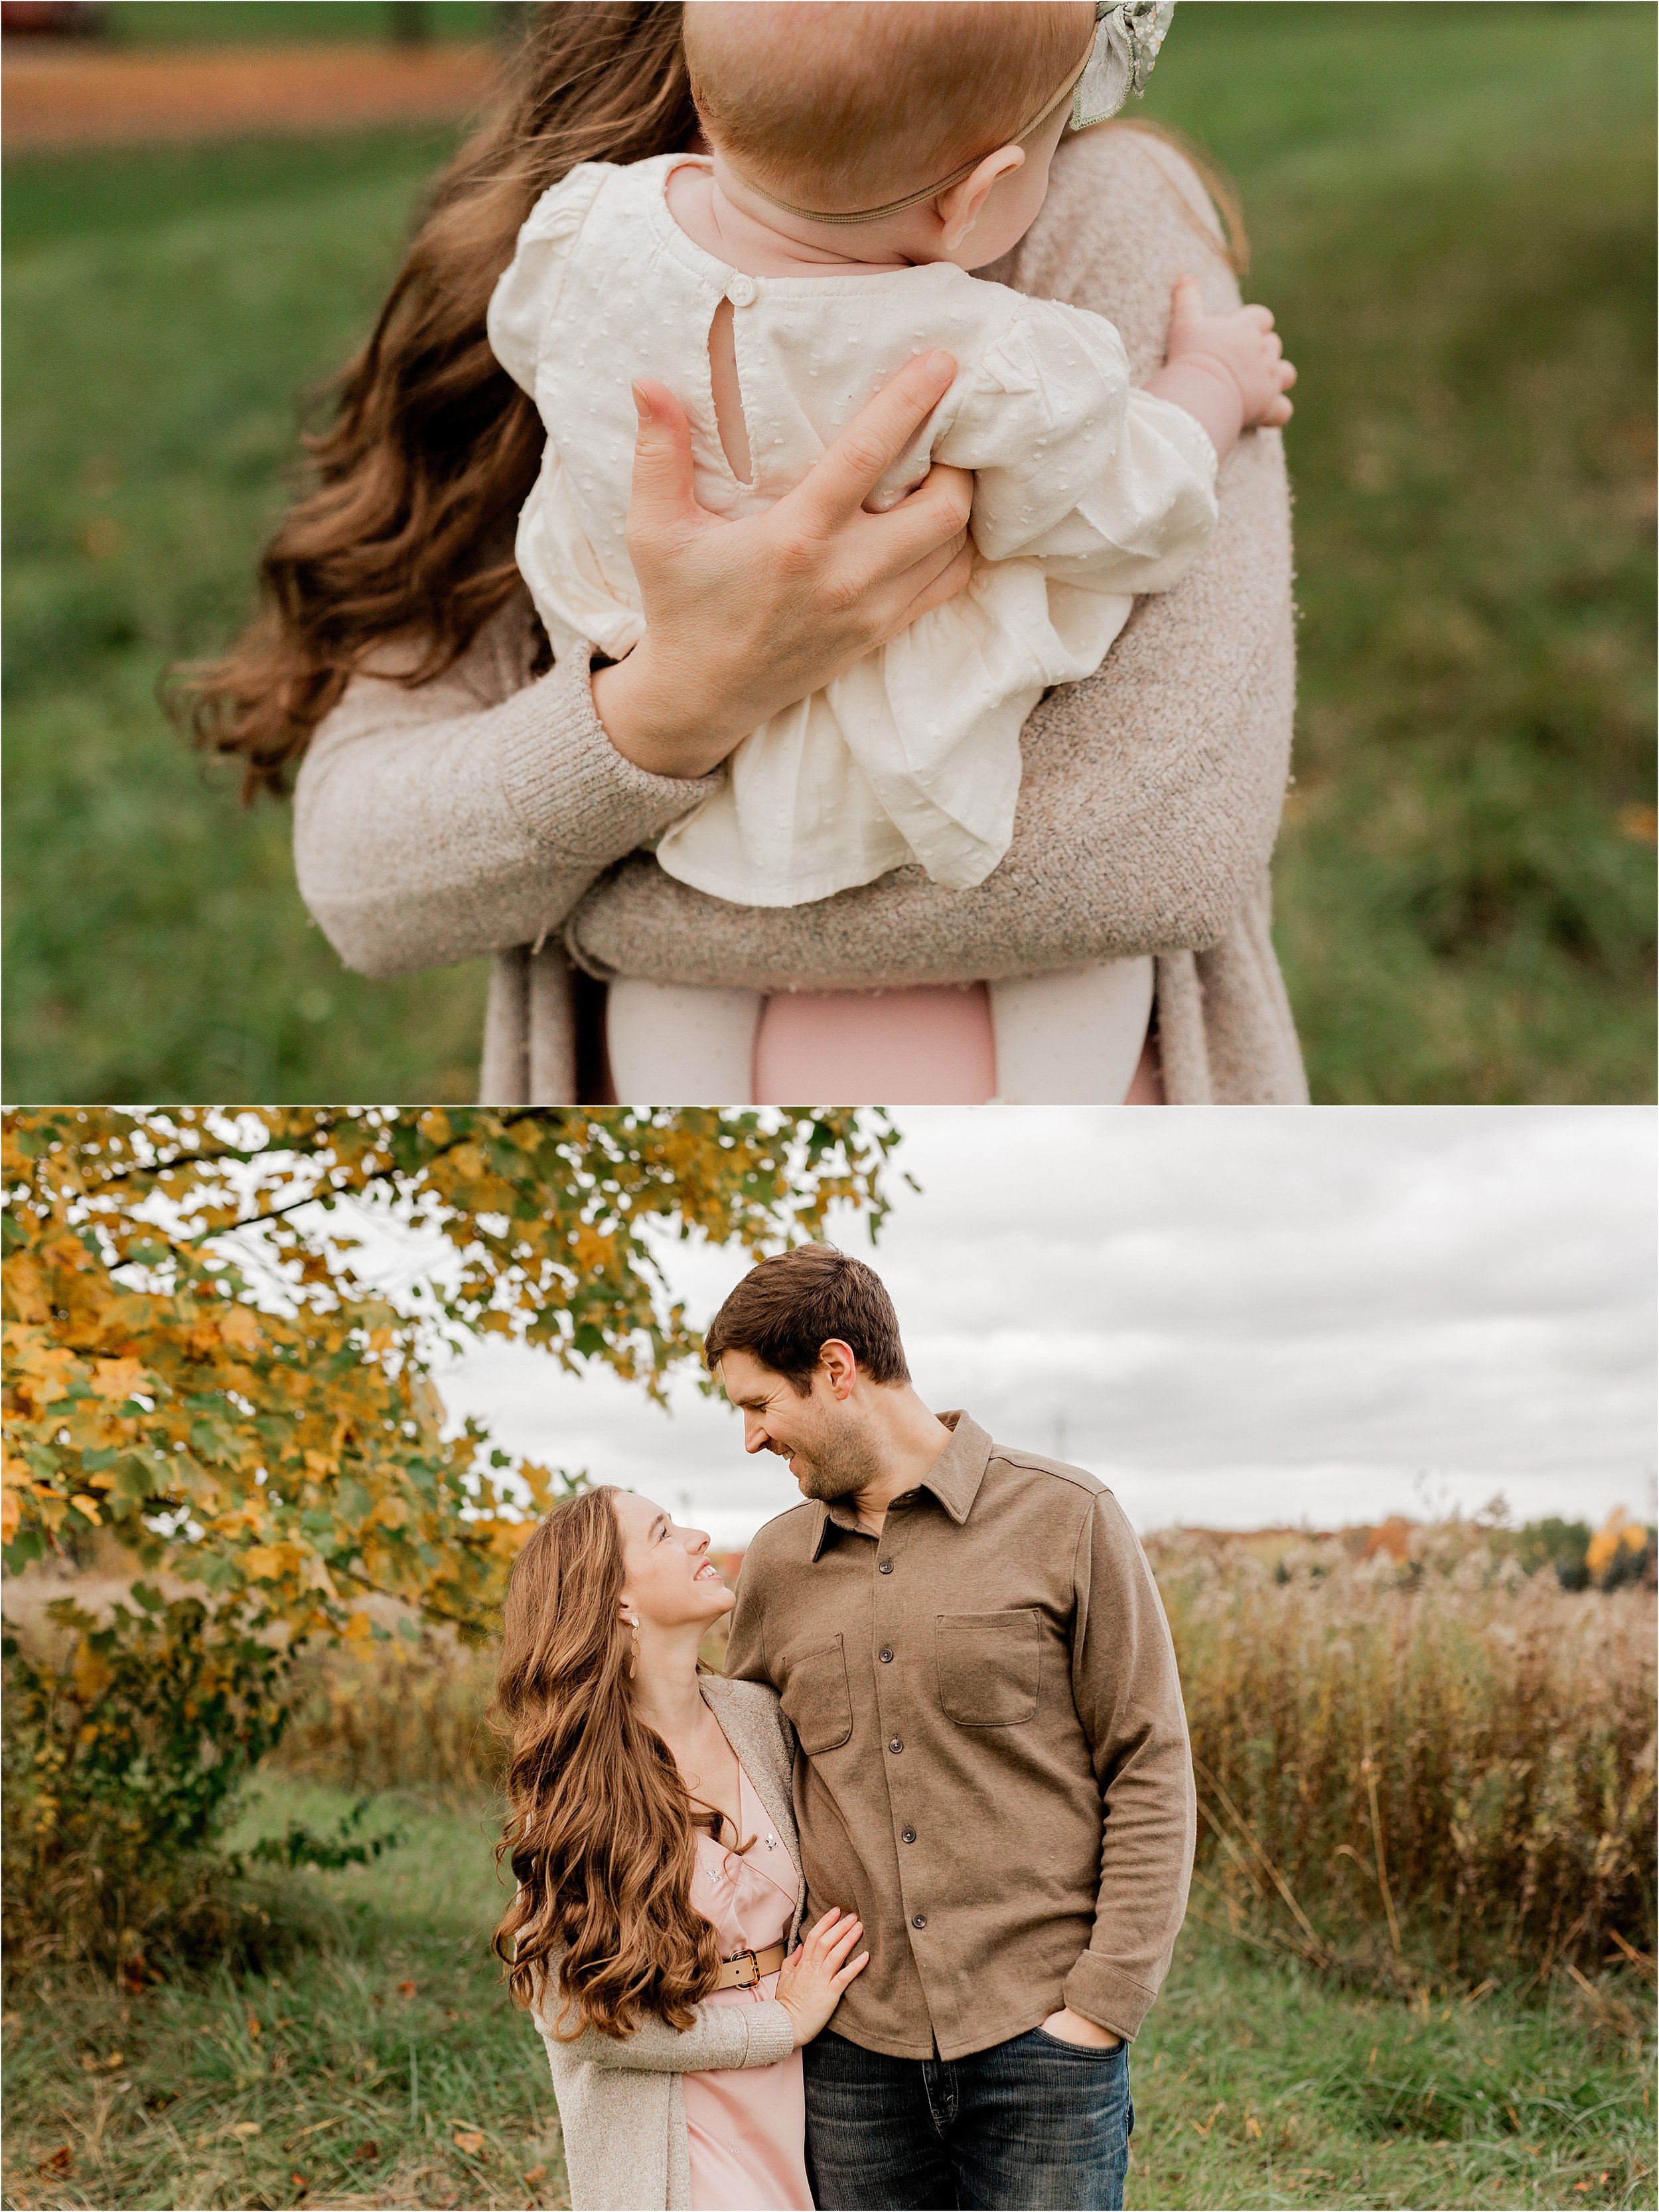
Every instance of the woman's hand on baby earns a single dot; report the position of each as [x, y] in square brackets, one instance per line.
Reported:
[812, 1978]
[744, 618]
[1228, 370]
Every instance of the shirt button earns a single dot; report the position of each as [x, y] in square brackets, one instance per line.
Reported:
[918, 1919]
[907, 1835]
[896, 1743]
[887, 1566]
[741, 291]
[885, 1656]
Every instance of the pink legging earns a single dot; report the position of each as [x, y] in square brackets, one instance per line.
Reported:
[1080, 1037]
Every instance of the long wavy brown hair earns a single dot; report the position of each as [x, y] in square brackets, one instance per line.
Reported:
[433, 449]
[602, 1835]
[402, 532]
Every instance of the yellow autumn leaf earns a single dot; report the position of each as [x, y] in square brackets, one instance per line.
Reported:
[239, 1325]
[269, 1563]
[25, 1294]
[83, 1502]
[92, 1674]
[39, 1373]
[358, 1629]
[119, 1378]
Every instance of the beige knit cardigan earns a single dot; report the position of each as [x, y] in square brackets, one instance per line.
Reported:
[621, 2106]
[486, 812]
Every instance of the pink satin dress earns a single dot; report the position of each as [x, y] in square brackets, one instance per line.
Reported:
[747, 2124]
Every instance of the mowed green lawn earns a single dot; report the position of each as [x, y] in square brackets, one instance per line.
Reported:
[382, 2064]
[1452, 211]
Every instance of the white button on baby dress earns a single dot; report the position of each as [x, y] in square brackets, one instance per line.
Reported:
[741, 290]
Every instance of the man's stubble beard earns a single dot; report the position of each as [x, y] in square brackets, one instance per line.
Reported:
[836, 1466]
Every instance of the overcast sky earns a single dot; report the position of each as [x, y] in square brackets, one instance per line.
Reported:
[1234, 1319]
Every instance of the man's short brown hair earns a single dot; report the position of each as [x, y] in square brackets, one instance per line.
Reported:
[786, 1311]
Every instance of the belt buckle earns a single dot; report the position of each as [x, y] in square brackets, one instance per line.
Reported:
[745, 1981]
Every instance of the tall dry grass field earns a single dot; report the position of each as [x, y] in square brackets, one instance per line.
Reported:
[404, 1714]
[1441, 1765]
[1439, 1768]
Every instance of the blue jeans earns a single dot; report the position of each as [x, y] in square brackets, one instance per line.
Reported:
[1028, 2124]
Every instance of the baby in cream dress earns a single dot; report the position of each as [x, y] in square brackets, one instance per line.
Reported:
[764, 285]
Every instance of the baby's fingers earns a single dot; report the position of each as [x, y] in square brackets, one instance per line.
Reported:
[1186, 304]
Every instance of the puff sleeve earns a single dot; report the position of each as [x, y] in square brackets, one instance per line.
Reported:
[1107, 486]
[524, 299]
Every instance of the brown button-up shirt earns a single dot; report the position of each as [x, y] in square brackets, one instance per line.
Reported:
[992, 1766]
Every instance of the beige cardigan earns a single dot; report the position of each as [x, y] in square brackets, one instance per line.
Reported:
[620, 2103]
[487, 812]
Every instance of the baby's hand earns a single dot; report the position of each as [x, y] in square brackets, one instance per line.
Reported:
[1244, 342]
[1227, 371]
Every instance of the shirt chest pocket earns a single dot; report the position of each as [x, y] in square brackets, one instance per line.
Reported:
[816, 1699]
[989, 1664]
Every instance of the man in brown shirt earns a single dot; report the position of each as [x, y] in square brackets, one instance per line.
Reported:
[992, 1768]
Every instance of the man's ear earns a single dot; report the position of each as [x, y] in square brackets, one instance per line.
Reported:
[840, 1363]
[958, 209]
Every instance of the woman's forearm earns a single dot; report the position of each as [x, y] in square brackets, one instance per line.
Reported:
[430, 827]
[720, 2036]
[1148, 808]
[1151, 793]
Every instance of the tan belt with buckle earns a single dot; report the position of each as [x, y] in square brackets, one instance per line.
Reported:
[745, 1968]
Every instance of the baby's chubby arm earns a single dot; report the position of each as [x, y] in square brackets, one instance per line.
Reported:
[1228, 371]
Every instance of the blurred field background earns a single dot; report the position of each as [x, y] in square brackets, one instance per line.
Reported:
[1452, 214]
[1418, 1970]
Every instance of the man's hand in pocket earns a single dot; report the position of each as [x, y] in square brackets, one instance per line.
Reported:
[1068, 2027]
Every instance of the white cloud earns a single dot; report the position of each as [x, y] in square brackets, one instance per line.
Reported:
[1235, 1318]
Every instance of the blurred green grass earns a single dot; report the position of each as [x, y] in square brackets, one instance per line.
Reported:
[1452, 211]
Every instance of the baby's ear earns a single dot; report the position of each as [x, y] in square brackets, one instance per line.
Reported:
[958, 209]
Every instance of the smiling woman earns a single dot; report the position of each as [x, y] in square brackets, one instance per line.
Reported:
[652, 1936]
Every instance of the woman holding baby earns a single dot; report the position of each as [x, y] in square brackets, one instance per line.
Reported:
[919, 732]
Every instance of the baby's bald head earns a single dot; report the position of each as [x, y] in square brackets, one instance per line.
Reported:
[841, 103]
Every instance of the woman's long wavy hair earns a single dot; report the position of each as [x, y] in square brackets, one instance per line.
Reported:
[603, 1834]
[433, 449]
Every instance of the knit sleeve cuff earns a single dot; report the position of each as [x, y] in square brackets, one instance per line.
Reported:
[575, 793]
[771, 2033]
[1103, 1994]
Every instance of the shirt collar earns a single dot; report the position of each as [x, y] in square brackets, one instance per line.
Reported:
[954, 1479]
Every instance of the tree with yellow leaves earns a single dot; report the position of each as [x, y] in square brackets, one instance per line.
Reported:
[201, 1361]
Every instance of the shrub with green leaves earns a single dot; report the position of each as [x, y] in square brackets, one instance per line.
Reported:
[124, 1746]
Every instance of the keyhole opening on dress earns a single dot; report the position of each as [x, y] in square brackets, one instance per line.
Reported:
[728, 394]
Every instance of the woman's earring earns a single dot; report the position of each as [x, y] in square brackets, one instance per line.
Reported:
[634, 1655]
